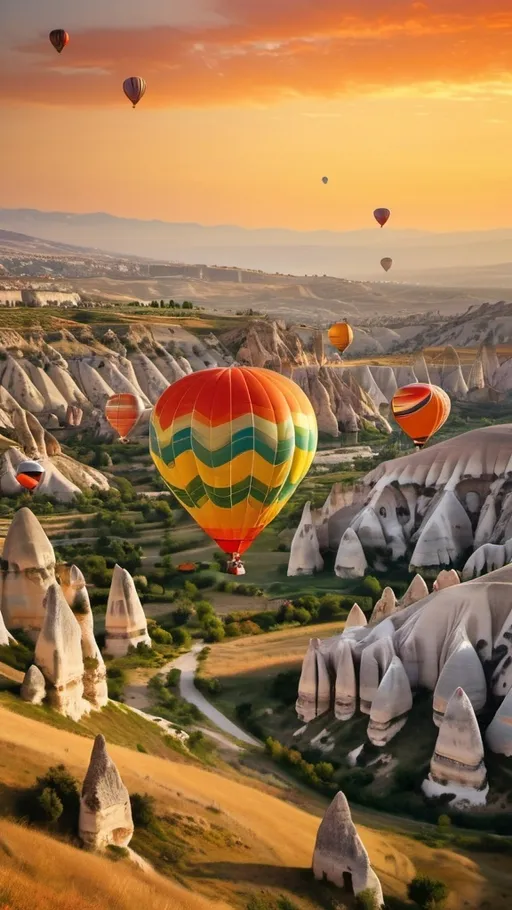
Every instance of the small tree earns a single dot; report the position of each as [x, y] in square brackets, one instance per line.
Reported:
[143, 809]
[427, 893]
[50, 805]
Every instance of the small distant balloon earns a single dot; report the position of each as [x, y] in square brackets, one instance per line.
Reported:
[134, 88]
[386, 263]
[381, 216]
[59, 38]
[325, 180]
[341, 336]
[420, 410]
[29, 475]
[123, 412]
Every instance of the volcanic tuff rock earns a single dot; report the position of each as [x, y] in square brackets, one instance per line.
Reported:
[487, 558]
[446, 579]
[33, 688]
[384, 607]
[105, 810]
[391, 704]
[339, 854]
[95, 673]
[375, 661]
[457, 765]
[125, 621]
[462, 668]
[498, 735]
[28, 569]
[314, 686]
[58, 655]
[345, 699]
[350, 559]
[431, 507]
[416, 591]
[355, 618]
[305, 556]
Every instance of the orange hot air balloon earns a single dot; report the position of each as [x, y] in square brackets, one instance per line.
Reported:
[123, 411]
[340, 335]
[59, 38]
[420, 410]
[29, 475]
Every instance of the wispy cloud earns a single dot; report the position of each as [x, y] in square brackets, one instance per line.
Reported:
[277, 49]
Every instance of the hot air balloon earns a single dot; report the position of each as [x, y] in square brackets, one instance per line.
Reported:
[233, 444]
[340, 335]
[386, 263]
[381, 216]
[325, 180]
[134, 89]
[29, 475]
[420, 410]
[123, 411]
[59, 38]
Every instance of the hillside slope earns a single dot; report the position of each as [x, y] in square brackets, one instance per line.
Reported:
[279, 836]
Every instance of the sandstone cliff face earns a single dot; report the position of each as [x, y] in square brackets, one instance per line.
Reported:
[105, 811]
[340, 856]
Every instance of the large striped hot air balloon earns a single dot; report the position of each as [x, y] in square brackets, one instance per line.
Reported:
[340, 335]
[59, 38]
[123, 411]
[233, 444]
[420, 410]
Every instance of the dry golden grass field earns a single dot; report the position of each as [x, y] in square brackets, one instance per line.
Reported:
[259, 652]
[272, 847]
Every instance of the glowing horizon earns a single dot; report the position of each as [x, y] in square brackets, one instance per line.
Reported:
[249, 105]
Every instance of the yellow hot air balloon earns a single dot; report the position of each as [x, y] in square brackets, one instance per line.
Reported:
[340, 335]
[123, 411]
[233, 444]
[420, 410]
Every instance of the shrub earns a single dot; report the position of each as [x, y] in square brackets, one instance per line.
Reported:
[372, 586]
[143, 810]
[116, 681]
[284, 686]
[366, 900]
[50, 805]
[181, 637]
[173, 678]
[427, 893]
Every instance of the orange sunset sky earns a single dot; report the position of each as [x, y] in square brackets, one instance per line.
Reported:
[249, 102]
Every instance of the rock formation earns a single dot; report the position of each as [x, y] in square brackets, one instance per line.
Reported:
[375, 661]
[384, 607]
[305, 556]
[58, 655]
[340, 856]
[487, 558]
[314, 685]
[416, 591]
[446, 579]
[391, 704]
[350, 559]
[355, 618]
[33, 688]
[105, 810]
[345, 699]
[457, 766]
[95, 674]
[125, 621]
[498, 735]
[462, 668]
[28, 569]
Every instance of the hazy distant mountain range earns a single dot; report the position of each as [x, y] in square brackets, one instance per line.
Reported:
[472, 259]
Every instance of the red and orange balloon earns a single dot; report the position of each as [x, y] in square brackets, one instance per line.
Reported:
[420, 410]
[123, 411]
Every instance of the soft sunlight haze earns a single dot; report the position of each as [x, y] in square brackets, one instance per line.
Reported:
[406, 105]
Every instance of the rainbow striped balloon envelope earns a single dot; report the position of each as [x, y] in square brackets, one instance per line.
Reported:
[233, 444]
[123, 411]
